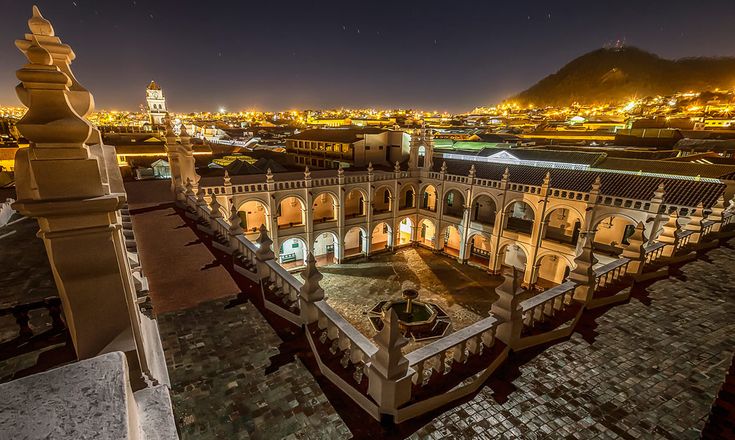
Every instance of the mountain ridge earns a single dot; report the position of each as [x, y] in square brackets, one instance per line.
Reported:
[618, 74]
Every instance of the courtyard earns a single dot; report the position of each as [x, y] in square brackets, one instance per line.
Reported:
[464, 292]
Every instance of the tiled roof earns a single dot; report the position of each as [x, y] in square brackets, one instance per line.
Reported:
[678, 191]
[342, 135]
[576, 157]
[725, 172]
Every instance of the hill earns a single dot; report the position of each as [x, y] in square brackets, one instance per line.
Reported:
[616, 75]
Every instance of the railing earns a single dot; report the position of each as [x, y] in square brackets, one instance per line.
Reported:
[610, 272]
[683, 238]
[706, 227]
[547, 304]
[519, 225]
[356, 348]
[652, 251]
[283, 285]
[458, 346]
[21, 314]
[559, 235]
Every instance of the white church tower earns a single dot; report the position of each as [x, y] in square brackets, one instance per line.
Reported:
[421, 150]
[156, 104]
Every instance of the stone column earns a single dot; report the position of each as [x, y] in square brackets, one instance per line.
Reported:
[61, 185]
[369, 210]
[635, 251]
[508, 309]
[339, 249]
[584, 274]
[235, 227]
[309, 213]
[388, 372]
[264, 253]
[311, 291]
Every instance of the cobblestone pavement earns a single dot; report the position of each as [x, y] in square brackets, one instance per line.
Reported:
[217, 360]
[650, 369]
[463, 291]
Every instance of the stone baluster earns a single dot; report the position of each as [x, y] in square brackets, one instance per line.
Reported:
[311, 291]
[389, 374]
[584, 274]
[635, 251]
[508, 309]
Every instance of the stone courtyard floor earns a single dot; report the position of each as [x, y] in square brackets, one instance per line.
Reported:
[646, 369]
[463, 291]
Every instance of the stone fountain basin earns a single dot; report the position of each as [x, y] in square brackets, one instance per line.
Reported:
[421, 318]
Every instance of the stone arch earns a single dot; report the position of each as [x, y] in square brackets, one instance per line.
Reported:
[381, 237]
[563, 224]
[355, 241]
[451, 240]
[405, 231]
[382, 199]
[326, 248]
[479, 248]
[408, 197]
[552, 268]
[291, 211]
[421, 156]
[426, 234]
[325, 207]
[513, 254]
[520, 216]
[355, 203]
[428, 197]
[612, 232]
[453, 203]
[292, 252]
[484, 209]
[253, 213]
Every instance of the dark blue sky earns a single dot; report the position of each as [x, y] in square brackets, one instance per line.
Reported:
[278, 55]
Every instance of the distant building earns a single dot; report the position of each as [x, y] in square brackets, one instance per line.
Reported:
[156, 104]
[330, 148]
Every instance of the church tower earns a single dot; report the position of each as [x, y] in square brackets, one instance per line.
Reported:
[421, 150]
[156, 104]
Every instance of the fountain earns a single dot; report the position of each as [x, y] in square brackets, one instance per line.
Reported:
[417, 319]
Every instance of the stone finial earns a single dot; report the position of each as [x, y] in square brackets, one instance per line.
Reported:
[731, 204]
[235, 220]
[311, 291]
[506, 175]
[547, 179]
[200, 196]
[50, 119]
[307, 173]
[184, 136]
[397, 167]
[215, 206]
[227, 179]
[268, 176]
[389, 360]
[265, 245]
[189, 188]
[370, 168]
[597, 184]
[658, 195]
[340, 171]
[170, 135]
[472, 172]
[584, 273]
[39, 25]
[443, 169]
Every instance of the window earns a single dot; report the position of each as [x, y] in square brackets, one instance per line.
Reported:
[386, 197]
[450, 199]
[367, 148]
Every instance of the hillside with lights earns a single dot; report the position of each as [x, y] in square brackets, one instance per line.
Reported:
[618, 74]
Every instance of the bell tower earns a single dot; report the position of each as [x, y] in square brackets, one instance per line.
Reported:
[156, 104]
[421, 150]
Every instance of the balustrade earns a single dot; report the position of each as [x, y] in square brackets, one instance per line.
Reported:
[547, 304]
[459, 346]
[652, 251]
[611, 272]
[21, 313]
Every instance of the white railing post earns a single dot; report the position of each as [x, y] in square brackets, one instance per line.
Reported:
[235, 227]
[508, 309]
[264, 253]
[635, 250]
[310, 291]
[388, 373]
[584, 274]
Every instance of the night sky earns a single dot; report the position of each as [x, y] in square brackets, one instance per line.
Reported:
[280, 55]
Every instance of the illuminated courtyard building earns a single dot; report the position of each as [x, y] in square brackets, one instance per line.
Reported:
[564, 241]
[347, 147]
